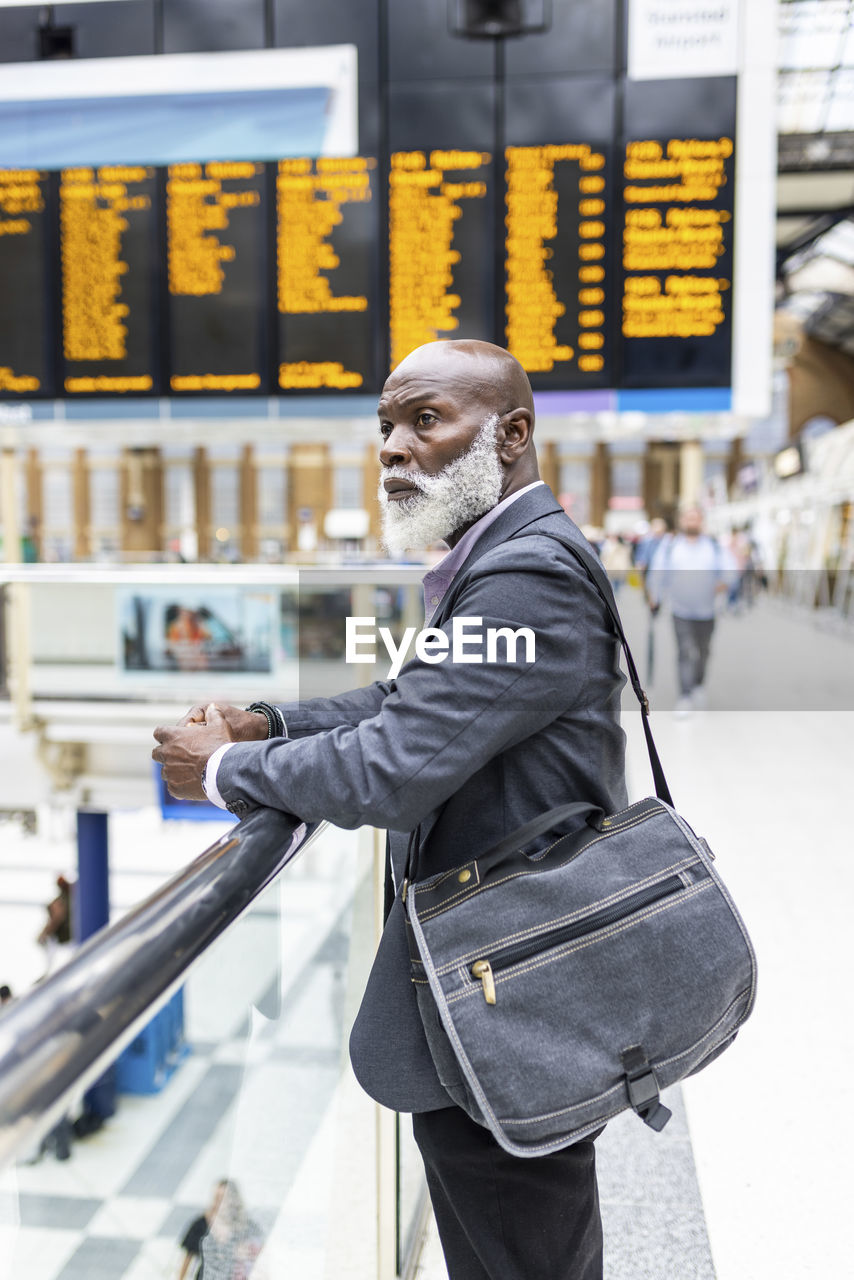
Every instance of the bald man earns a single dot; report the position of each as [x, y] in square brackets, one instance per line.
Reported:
[467, 750]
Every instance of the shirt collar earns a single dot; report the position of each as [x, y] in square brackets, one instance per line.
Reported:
[439, 578]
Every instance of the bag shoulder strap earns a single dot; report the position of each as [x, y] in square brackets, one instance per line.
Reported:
[598, 577]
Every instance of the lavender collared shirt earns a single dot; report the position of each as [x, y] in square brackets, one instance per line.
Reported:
[440, 577]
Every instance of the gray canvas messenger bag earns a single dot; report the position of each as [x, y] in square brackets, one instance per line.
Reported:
[566, 987]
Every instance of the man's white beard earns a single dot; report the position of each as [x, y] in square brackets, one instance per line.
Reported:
[459, 494]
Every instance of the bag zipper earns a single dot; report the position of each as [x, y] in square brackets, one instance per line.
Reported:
[485, 969]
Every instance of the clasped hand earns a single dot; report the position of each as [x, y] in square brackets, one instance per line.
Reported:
[184, 750]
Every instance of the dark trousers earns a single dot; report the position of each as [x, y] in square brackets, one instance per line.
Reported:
[693, 638]
[502, 1217]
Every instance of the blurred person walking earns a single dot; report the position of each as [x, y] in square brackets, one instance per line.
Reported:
[57, 930]
[688, 570]
[742, 592]
[645, 550]
[616, 556]
[223, 1243]
[648, 545]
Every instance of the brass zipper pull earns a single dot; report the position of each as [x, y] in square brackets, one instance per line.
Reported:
[482, 969]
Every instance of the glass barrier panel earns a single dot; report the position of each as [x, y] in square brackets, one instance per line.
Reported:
[231, 1128]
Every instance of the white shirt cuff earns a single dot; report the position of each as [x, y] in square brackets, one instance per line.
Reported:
[211, 790]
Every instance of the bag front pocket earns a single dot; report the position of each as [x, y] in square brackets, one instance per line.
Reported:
[487, 968]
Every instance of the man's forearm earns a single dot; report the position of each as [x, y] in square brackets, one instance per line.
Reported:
[316, 715]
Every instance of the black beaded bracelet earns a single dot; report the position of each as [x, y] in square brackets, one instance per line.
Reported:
[270, 714]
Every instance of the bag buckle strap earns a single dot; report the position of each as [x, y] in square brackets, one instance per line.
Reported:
[642, 1088]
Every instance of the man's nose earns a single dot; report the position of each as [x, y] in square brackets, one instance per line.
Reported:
[395, 451]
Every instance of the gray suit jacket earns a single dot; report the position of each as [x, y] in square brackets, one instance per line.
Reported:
[471, 752]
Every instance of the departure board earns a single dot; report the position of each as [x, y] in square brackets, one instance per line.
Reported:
[676, 242]
[106, 236]
[439, 221]
[24, 356]
[217, 262]
[326, 234]
[557, 275]
[677, 255]
[585, 221]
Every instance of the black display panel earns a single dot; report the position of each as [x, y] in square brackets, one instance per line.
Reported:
[557, 282]
[581, 39]
[216, 229]
[25, 365]
[441, 207]
[196, 26]
[583, 220]
[112, 29]
[677, 233]
[421, 45]
[108, 268]
[326, 237]
[559, 273]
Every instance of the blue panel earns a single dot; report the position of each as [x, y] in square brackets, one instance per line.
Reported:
[187, 810]
[163, 128]
[88, 410]
[327, 407]
[93, 874]
[676, 400]
[225, 407]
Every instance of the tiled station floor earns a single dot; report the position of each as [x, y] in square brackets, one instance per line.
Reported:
[749, 1181]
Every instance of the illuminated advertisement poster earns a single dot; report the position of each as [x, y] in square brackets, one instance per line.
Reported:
[196, 629]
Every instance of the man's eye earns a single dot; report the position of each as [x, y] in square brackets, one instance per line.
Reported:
[424, 419]
[385, 430]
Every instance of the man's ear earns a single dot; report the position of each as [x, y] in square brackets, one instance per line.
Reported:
[514, 434]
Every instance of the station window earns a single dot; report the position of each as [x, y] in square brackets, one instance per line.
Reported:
[57, 504]
[575, 489]
[225, 543]
[347, 487]
[104, 514]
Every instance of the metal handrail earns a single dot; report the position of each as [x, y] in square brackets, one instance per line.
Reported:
[60, 1037]
[205, 573]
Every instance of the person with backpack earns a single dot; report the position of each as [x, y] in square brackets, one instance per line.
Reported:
[689, 569]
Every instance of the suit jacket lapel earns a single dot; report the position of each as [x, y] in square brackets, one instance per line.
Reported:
[525, 510]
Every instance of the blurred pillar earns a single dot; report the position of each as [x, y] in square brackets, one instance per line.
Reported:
[80, 504]
[600, 484]
[35, 503]
[648, 485]
[9, 506]
[690, 472]
[248, 504]
[735, 462]
[309, 494]
[370, 480]
[202, 493]
[142, 500]
[550, 467]
[661, 478]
